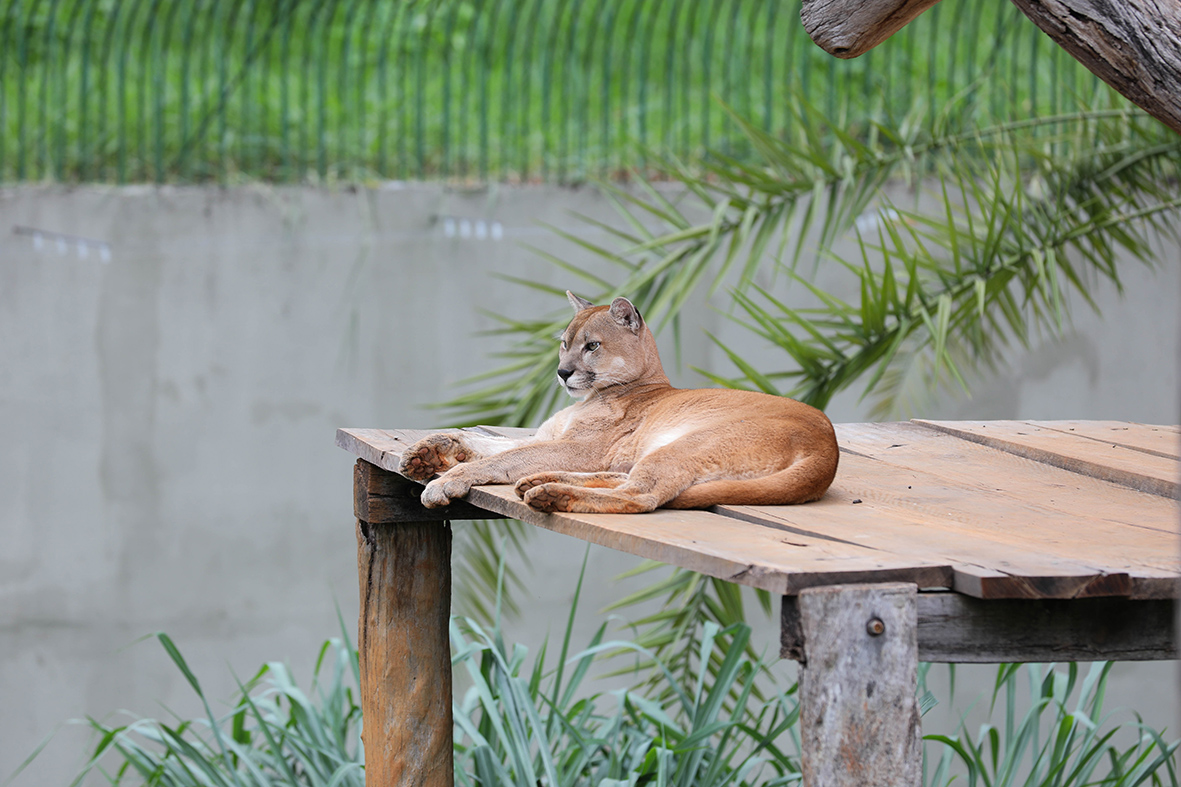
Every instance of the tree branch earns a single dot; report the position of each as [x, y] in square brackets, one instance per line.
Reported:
[1132, 45]
[848, 28]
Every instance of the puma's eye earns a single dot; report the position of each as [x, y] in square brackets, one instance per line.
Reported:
[562, 344]
[592, 346]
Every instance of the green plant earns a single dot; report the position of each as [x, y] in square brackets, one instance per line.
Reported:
[275, 734]
[1024, 215]
[1053, 737]
[693, 722]
[522, 724]
[687, 725]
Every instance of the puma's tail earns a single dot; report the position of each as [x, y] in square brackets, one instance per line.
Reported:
[801, 482]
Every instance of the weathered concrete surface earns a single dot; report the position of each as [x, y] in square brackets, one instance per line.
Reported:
[167, 421]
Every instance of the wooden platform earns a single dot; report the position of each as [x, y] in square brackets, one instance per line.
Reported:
[999, 509]
[940, 541]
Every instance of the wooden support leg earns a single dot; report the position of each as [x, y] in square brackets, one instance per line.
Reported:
[405, 579]
[859, 720]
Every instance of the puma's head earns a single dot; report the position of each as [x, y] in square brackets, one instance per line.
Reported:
[607, 346]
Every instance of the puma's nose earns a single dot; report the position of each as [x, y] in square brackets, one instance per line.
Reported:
[565, 374]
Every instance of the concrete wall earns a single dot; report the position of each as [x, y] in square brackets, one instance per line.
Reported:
[169, 395]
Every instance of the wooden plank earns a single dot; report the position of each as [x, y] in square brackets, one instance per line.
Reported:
[1113, 462]
[1017, 501]
[966, 463]
[1164, 441]
[381, 497]
[953, 628]
[765, 556]
[404, 653]
[381, 447]
[859, 719]
[981, 566]
[384, 447]
[996, 549]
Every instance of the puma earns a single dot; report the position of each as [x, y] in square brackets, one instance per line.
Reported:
[634, 443]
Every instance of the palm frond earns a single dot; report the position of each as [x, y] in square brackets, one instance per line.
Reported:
[1028, 216]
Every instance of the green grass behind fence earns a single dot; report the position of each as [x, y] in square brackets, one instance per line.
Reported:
[356, 90]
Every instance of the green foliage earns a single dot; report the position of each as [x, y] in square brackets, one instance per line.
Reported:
[1025, 215]
[275, 734]
[524, 724]
[486, 584]
[675, 631]
[1053, 736]
[353, 90]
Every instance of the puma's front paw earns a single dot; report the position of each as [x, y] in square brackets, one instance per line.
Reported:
[432, 455]
[442, 491]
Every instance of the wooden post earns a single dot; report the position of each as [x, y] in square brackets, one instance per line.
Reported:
[859, 720]
[405, 655]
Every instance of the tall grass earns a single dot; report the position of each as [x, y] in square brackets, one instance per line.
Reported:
[537, 721]
[275, 733]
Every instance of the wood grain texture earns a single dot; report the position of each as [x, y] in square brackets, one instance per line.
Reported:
[848, 28]
[1053, 532]
[384, 447]
[781, 560]
[404, 573]
[974, 465]
[911, 503]
[1132, 45]
[1115, 462]
[981, 564]
[381, 497]
[953, 628]
[859, 720]
[1150, 438]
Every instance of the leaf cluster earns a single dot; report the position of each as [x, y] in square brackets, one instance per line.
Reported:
[1027, 218]
[541, 723]
[524, 726]
[689, 602]
[1053, 737]
[1025, 215]
[1006, 226]
[275, 734]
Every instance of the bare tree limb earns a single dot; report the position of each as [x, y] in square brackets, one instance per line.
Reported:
[848, 28]
[1132, 45]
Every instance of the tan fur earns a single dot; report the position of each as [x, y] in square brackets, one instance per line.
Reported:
[634, 442]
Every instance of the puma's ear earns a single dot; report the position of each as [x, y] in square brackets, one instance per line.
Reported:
[627, 315]
[579, 304]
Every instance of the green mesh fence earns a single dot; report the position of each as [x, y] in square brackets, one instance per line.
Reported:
[519, 90]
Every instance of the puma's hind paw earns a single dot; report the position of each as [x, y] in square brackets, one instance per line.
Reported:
[584, 480]
[431, 455]
[532, 481]
[547, 497]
